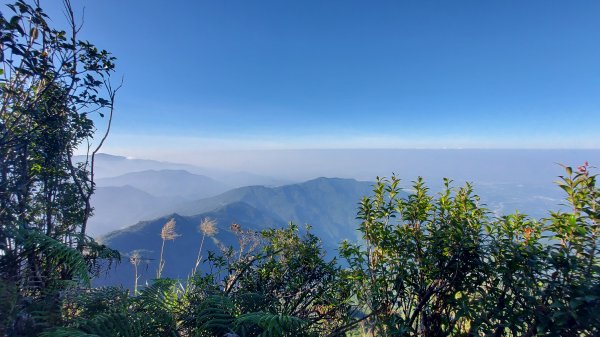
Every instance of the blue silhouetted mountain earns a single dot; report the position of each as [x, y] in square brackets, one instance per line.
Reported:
[168, 183]
[180, 254]
[329, 205]
[107, 166]
[117, 207]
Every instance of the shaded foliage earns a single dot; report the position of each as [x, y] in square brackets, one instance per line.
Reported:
[282, 288]
[50, 84]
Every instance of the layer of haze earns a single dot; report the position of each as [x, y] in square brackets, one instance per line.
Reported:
[535, 167]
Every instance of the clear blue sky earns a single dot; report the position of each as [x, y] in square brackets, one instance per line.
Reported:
[346, 74]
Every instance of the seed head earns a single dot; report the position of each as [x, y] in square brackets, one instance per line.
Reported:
[208, 227]
[236, 228]
[168, 231]
[135, 258]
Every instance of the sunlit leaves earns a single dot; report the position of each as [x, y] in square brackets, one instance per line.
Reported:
[442, 264]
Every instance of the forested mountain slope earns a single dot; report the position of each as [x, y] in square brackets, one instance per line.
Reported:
[327, 204]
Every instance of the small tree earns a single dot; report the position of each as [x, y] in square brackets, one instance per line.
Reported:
[570, 300]
[50, 85]
[421, 259]
[440, 266]
[294, 279]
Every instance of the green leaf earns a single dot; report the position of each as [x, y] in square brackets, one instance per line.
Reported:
[59, 254]
[569, 170]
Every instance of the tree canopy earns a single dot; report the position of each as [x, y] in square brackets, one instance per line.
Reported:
[51, 83]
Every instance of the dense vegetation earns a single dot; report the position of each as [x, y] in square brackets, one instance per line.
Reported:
[430, 264]
[50, 85]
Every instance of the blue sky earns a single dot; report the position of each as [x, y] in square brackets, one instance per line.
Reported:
[259, 74]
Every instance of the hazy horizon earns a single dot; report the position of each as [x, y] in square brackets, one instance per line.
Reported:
[481, 165]
[506, 180]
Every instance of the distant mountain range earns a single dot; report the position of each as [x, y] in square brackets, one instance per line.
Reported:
[127, 199]
[168, 183]
[329, 205]
[132, 190]
[107, 165]
[116, 207]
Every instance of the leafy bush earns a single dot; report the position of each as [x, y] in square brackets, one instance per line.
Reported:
[443, 265]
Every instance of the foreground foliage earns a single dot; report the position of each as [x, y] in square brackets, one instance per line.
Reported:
[51, 83]
[443, 266]
[285, 288]
[430, 265]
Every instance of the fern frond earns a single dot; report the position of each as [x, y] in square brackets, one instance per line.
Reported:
[66, 332]
[56, 252]
[163, 294]
[159, 305]
[271, 325]
[86, 303]
[216, 315]
[102, 325]
[111, 325]
[99, 257]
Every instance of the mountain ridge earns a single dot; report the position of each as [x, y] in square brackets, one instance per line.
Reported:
[108, 165]
[328, 205]
[168, 183]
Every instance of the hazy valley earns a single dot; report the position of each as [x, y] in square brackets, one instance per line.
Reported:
[131, 207]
